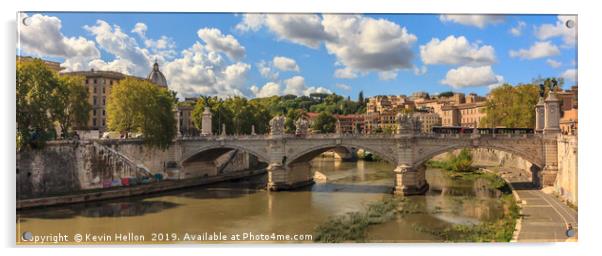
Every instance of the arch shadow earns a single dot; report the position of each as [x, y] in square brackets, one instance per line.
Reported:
[310, 153]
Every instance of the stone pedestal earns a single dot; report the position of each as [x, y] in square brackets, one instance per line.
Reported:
[547, 177]
[285, 178]
[552, 114]
[206, 122]
[410, 180]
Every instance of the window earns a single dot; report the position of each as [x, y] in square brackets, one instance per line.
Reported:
[103, 122]
[103, 100]
[94, 89]
[94, 81]
[94, 101]
[87, 81]
[94, 112]
[94, 122]
[103, 89]
[103, 112]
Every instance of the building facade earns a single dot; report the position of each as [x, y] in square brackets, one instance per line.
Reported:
[465, 115]
[99, 84]
[428, 121]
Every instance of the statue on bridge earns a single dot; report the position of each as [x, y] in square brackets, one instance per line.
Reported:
[302, 126]
[277, 125]
[407, 123]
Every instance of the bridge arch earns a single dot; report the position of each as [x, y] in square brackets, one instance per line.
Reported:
[211, 152]
[307, 154]
[528, 156]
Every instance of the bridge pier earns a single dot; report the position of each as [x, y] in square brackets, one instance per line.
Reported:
[410, 180]
[292, 176]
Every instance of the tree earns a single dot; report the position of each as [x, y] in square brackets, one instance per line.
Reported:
[324, 123]
[136, 105]
[291, 118]
[511, 106]
[360, 98]
[70, 107]
[36, 85]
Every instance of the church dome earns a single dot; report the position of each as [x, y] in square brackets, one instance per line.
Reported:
[156, 77]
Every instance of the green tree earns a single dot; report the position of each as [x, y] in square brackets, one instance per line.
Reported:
[136, 105]
[511, 106]
[324, 123]
[70, 107]
[291, 118]
[36, 85]
[360, 98]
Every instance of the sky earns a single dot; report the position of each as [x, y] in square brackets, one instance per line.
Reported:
[259, 55]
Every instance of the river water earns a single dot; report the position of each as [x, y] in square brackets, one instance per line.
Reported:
[243, 207]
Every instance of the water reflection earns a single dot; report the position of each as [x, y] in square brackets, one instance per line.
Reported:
[244, 206]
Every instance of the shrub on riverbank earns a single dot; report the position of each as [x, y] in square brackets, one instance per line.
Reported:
[352, 226]
[500, 230]
[457, 163]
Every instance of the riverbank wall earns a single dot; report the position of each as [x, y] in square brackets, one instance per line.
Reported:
[73, 167]
[565, 186]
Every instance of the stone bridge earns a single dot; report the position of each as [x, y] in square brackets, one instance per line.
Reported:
[288, 155]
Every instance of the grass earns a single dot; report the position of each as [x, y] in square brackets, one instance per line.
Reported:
[352, 226]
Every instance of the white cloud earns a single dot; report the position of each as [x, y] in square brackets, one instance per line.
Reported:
[267, 90]
[570, 74]
[559, 29]
[304, 29]
[456, 51]
[201, 71]
[265, 69]
[128, 54]
[216, 41]
[251, 22]
[518, 30]
[343, 87]
[537, 50]
[420, 71]
[296, 86]
[346, 73]
[387, 75]
[366, 44]
[43, 37]
[479, 21]
[360, 44]
[162, 49]
[553, 63]
[140, 29]
[285, 64]
[466, 76]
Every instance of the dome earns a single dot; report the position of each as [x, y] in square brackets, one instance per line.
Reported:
[156, 77]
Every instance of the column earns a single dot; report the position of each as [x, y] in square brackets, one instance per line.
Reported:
[551, 129]
[552, 114]
[539, 116]
[410, 180]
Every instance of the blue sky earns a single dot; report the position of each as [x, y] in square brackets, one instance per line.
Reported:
[225, 54]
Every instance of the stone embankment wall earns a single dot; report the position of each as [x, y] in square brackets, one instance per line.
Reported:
[68, 167]
[566, 181]
[497, 158]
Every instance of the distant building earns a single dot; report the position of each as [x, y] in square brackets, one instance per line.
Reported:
[56, 66]
[351, 123]
[427, 121]
[99, 84]
[380, 122]
[568, 108]
[465, 115]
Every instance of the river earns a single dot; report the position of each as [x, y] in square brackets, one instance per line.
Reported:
[240, 207]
